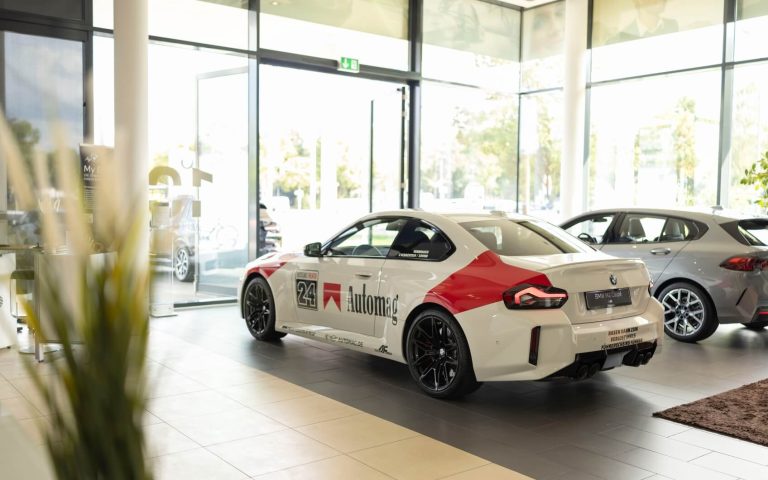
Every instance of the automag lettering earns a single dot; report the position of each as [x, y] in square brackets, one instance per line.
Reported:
[375, 305]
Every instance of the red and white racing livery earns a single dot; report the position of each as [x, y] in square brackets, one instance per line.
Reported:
[460, 298]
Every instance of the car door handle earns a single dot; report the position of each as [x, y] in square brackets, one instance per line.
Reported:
[363, 275]
[661, 251]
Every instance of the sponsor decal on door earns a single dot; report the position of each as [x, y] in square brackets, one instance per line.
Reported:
[306, 289]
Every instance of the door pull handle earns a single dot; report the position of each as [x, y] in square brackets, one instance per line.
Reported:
[363, 275]
[661, 251]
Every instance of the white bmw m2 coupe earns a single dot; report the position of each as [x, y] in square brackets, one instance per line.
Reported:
[460, 298]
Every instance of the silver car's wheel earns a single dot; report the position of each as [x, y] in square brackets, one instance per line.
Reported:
[182, 265]
[688, 316]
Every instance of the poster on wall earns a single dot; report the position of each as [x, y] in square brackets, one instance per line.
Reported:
[616, 21]
[90, 158]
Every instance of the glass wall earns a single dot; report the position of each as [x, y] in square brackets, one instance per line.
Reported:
[472, 42]
[542, 48]
[541, 131]
[373, 31]
[468, 149]
[198, 119]
[213, 22]
[329, 151]
[35, 108]
[634, 37]
[750, 132]
[751, 29]
[656, 153]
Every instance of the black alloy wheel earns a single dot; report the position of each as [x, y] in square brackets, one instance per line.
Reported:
[688, 313]
[259, 310]
[438, 356]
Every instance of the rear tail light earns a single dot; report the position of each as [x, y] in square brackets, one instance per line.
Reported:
[745, 263]
[528, 296]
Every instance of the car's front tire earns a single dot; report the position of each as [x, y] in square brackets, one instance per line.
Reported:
[688, 314]
[438, 356]
[259, 310]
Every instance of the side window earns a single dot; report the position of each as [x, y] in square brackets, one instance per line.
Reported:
[421, 241]
[637, 228]
[591, 230]
[372, 238]
[676, 230]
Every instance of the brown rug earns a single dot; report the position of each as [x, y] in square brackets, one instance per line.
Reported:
[741, 413]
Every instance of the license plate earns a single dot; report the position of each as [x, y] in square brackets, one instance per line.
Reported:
[608, 298]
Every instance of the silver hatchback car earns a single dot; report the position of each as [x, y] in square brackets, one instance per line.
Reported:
[707, 267]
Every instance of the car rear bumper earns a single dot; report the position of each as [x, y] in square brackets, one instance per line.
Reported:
[501, 342]
[587, 364]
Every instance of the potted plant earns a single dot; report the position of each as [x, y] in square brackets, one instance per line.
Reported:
[95, 388]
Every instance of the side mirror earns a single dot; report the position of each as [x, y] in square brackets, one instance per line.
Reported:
[313, 250]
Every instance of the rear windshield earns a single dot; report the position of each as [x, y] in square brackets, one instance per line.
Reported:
[751, 232]
[521, 238]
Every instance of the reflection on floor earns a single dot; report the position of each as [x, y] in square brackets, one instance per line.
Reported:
[212, 417]
[600, 428]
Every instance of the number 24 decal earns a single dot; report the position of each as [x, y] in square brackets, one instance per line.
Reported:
[306, 293]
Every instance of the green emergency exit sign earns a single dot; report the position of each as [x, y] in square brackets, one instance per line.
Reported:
[351, 65]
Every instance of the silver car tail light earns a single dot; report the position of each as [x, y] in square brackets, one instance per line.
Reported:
[529, 296]
[745, 263]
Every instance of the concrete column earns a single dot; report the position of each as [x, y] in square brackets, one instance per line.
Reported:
[131, 131]
[572, 167]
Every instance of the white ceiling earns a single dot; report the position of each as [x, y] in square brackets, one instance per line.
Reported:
[526, 3]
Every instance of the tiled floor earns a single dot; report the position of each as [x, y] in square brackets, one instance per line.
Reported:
[600, 428]
[226, 406]
[211, 417]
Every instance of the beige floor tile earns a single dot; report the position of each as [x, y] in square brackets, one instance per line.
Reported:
[306, 410]
[341, 467]
[226, 377]
[19, 408]
[171, 383]
[268, 390]
[149, 419]
[226, 426]
[198, 464]
[489, 472]
[35, 429]
[356, 432]
[191, 405]
[418, 458]
[163, 439]
[7, 390]
[272, 452]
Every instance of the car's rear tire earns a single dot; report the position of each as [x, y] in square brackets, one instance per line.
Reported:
[183, 265]
[688, 314]
[259, 310]
[756, 326]
[438, 356]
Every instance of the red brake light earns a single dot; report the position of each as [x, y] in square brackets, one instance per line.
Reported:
[745, 263]
[534, 296]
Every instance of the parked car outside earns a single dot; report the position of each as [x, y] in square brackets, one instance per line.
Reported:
[460, 299]
[708, 267]
[174, 231]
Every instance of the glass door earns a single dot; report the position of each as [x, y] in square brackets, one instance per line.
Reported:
[220, 248]
[331, 150]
